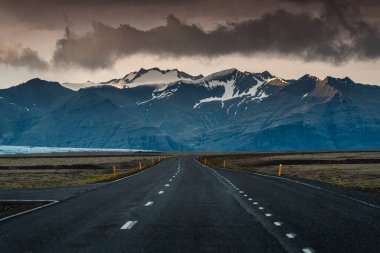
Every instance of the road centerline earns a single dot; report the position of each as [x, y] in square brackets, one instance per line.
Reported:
[291, 235]
[128, 225]
[149, 203]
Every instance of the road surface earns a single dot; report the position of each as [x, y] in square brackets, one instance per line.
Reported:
[183, 206]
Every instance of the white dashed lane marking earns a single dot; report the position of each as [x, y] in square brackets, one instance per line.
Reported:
[167, 185]
[291, 235]
[149, 203]
[160, 192]
[276, 223]
[129, 224]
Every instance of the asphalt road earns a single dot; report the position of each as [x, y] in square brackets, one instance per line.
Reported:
[183, 206]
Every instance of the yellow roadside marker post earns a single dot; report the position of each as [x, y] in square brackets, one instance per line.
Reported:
[114, 170]
[224, 164]
[279, 170]
[140, 165]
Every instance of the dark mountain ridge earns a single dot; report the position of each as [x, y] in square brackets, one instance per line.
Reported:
[227, 110]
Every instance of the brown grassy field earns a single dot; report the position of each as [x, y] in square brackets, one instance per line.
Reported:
[359, 170]
[8, 208]
[29, 171]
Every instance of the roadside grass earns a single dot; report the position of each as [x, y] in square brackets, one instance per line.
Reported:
[30, 172]
[56, 171]
[15, 161]
[8, 208]
[358, 170]
[32, 178]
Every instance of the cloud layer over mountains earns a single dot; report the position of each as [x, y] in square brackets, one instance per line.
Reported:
[16, 55]
[332, 31]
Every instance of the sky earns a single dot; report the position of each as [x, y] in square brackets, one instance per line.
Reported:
[98, 40]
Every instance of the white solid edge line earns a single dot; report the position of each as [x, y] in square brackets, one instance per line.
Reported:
[56, 201]
[30, 210]
[27, 200]
[306, 184]
[129, 224]
[319, 188]
[277, 223]
[117, 180]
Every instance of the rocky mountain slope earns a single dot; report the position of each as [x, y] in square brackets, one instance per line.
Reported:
[171, 110]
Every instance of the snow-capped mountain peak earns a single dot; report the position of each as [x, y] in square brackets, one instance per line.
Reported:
[221, 74]
[276, 81]
[236, 84]
[153, 76]
[78, 86]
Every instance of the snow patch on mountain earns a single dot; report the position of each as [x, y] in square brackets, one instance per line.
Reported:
[130, 76]
[276, 81]
[229, 92]
[154, 76]
[159, 95]
[78, 86]
[161, 87]
[220, 74]
[214, 83]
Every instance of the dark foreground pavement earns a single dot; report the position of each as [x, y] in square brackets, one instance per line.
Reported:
[182, 206]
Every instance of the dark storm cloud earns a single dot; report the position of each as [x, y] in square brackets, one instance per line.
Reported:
[327, 30]
[50, 14]
[13, 54]
[330, 37]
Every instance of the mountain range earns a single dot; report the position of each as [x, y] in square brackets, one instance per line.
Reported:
[229, 110]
